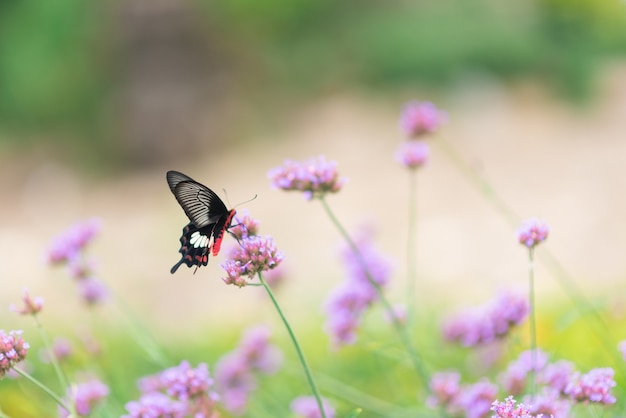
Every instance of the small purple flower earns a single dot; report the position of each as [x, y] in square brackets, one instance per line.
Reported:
[260, 355]
[444, 388]
[235, 382]
[191, 387]
[306, 407]
[85, 397]
[412, 154]
[65, 246]
[30, 306]
[594, 386]
[61, 349]
[13, 349]
[315, 177]
[514, 378]
[155, 405]
[508, 409]
[486, 323]
[420, 118]
[556, 375]
[245, 225]
[254, 255]
[475, 400]
[550, 403]
[532, 232]
[92, 291]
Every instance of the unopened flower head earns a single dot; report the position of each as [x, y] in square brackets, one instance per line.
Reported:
[31, 306]
[532, 232]
[85, 397]
[420, 118]
[245, 225]
[255, 254]
[594, 386]
[66, 245]
[412, 154]
[13, 349]
[315, 177]
[307, 407]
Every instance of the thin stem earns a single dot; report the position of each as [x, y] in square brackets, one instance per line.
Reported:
[294, 340]
[411, 248]
[55, 363]
[43, 387]
[533, 330]
[400, 329]
[562, 276]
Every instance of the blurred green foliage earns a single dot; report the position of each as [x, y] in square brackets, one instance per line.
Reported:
[56, 58]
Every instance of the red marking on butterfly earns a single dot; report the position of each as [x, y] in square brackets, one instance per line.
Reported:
[209, 220]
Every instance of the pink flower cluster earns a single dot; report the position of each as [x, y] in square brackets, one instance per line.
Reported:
[508, 409]
[532, 232]
[244, 225]
[178, 392]
[347, 302]
[253, 255]
[488, 322]
[418, 119]
[471, 401]
[67, 248]
[594, 386]
[421, 118]
[315, 177]
[306, 407]
[13, 349]
[235, 371]
[85, 397]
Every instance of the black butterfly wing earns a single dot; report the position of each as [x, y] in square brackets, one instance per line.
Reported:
[194, 246]
[202, 206]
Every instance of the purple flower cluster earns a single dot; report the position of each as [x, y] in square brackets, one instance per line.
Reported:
[315, 177]
[594, 386]
[245, 225]
[67, 249]
[421, 118]
[471, 401]
[508, 409]
[255, 254]
[13, 349]
[68, 245]
[235, 371]
[514, 378]
[61, 349]
[347, 302]
[30, 306]
[306, 407]
[532, 232]
[488, 322]
[412, 154]
[85, 397]
[175, 392]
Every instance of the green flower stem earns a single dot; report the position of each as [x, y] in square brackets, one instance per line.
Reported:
[401, 329]
[563, 277]
[55, 362]
[411, 248]
[533, 329]
[43, 387]
[294, 340]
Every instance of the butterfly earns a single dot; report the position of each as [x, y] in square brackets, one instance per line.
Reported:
[209, 220]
